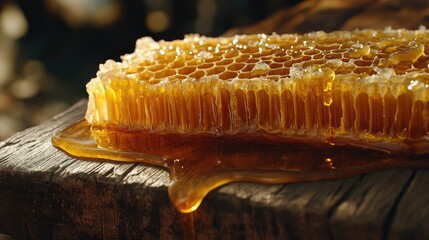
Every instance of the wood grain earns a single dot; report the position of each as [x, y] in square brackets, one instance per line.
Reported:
[47, 194]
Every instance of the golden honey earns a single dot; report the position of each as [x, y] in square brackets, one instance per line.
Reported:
[199, 163]
[364, 88]
[264, 108]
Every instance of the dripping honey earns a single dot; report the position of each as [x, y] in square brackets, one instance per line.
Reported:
[263, 108]
[199, 163]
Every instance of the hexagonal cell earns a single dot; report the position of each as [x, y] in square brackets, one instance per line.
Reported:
[280, 54]
[256, 55]
[215, 70]
[274, 65]
[423, 58]
[288, 63]
[165, 73]
[206, 66]
[224, 62]
[267, 59]
[362, 63]
[198, 74]
[282, 59]
[333, 56]
[155, 68]
[242, 57]
[306, 58]
[340, 50]
[178, 63]
[214, 59]
[248, 67]
[236, 66]
[187, 70]
[311, 52]
[253, 60]
[228, 75]
[421, 65]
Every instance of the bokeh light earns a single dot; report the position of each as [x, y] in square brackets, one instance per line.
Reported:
[24, 88]
[13, 22]
[157, 21]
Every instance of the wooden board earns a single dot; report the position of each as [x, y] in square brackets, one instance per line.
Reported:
[47, 194]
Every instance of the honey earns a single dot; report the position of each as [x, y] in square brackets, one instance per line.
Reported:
[363, 88]
[264, 108]
[199, 163]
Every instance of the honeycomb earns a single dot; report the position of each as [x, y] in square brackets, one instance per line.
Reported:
[368, 88]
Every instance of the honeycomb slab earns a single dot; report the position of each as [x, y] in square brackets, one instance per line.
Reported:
[366, 88]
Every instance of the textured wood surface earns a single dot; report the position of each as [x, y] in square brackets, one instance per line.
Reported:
[47, 194]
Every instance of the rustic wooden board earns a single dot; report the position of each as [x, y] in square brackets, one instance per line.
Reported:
[47, 194]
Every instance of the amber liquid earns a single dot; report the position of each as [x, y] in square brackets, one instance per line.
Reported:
[201, 163]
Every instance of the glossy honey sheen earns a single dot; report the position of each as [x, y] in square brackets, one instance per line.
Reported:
[262, 108]
[367, 88]
[200, 163]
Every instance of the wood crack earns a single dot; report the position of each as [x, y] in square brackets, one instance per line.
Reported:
[59, 169]
[8, 143]
[337, 204]
[391, 215]
[126, 172]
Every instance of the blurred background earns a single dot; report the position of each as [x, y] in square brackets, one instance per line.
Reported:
[49, 49]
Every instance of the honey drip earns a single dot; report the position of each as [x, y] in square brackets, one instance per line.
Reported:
[199, 163]
[263, 108]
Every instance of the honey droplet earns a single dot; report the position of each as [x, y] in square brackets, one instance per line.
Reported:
[328, 82]
[409, 55]
[359, 50]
